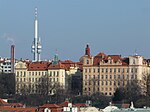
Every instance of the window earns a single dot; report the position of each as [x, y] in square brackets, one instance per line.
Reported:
[123, 70]
[85, 70]
[132, 70]
[102, 83]
[135, 70]
[118, 76]
[110, 83]
[98, 70]
[54, 73]
[110, 70]
[85, 76]
[127, 70]
[87, 61]
[106, 83]
[106, 77]
[89, 82]
[127, 76]
[94, 70]
[21, 73]
[114, 70]
[98, 89]
[106, 70]
[17, 73]
[102, 70]
[24, 73]
[89, 89]
[114, 76]
[102, 77]
[110, 77]
[57, 73]
[114, 83]
[93, 76]
[118, 83]
[98, 83]
[85, 83]
[119, 70]
[89, 70]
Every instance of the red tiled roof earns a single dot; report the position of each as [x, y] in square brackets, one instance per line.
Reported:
[64, 104]
[16, 104]
[101, 56]
[57, 66]
[38, 66]
[10, 109]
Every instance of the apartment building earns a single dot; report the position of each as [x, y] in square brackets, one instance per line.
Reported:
[104, 73]
[30, 76]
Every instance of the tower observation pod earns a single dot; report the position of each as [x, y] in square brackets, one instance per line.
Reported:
[36, 45]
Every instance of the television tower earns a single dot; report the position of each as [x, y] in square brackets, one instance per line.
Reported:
[36, 45]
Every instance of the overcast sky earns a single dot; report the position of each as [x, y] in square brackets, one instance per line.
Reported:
[110, 26]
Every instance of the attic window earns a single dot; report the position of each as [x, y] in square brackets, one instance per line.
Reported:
[87, 61]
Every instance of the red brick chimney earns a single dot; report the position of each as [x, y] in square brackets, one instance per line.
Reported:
[12, 58]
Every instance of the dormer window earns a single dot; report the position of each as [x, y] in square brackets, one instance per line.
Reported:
[87, 61]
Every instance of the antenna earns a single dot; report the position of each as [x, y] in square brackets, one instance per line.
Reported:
[36, 12]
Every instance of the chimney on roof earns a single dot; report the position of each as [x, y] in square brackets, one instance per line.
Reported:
[12, 58]
[87, 50]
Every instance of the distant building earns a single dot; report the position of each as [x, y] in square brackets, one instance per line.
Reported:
[5, 65]
[105, 73]
[31, 76]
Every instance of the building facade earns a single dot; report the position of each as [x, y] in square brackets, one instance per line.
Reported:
[105, 73]
[6, 65]
[40, 77]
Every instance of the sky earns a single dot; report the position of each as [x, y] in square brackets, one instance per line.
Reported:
[115, 27]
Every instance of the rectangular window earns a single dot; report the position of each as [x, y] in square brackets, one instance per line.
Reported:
[127, 70]
[114, 70]
[106, 76]
[89, 70]
[94, 70]
[123, 70]
[110, 70]
[102, 70]
[98, 70]
[110, 76]
[106, 70]
[57, 73]
[119, 70]
[85, 70]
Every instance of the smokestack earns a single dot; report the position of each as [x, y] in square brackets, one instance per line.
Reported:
[12, 58]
